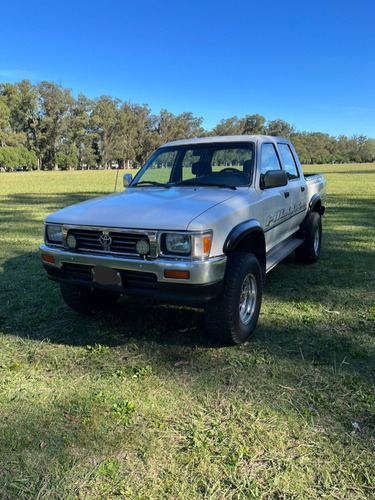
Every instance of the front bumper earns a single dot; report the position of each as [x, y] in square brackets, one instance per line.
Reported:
[139, 277]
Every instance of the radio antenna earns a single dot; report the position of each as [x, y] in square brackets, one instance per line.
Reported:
[116, 181]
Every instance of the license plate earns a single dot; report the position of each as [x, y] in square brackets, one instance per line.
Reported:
[106, 276]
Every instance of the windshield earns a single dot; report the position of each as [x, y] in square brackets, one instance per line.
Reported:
[222, 164]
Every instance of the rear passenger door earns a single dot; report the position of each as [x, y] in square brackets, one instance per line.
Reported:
[295, 192]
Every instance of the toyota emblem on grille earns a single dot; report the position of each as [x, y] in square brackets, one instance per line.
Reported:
[105, 240]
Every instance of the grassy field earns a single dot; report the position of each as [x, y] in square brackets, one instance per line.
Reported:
[140, 404]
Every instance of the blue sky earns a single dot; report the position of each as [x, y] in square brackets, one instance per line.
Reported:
[309, 63]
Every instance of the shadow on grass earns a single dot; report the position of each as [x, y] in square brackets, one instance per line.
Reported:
[56, 199]
[352, 210]
[352, 172]
[50, 202]
[31, 306]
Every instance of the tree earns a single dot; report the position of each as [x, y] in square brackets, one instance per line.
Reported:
[22, 101]
[183, 126]
[280, 128]
[229, 126]
[102, 128]
[148, 138]
[8, 136]
[77, 140]
[27, 158]
[66, 162]
[367, 150]
[8, 158]
[17, 157]
[55, 103]
[4, 122]
[250, 124]
[254, 124]
[11, 158]
[137, 136]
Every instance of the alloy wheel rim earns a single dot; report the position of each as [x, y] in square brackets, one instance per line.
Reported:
[248, 299]
[316, 240]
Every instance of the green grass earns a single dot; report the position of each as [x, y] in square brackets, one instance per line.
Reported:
[140, 404]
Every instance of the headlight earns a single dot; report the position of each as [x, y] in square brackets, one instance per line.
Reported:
[178, 243]
[194, 245]
[54, 233]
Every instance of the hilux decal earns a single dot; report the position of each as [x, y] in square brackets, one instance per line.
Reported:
[283, 213]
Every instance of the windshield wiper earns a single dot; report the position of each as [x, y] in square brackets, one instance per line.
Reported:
[194, 182]
[150, 183]
[229, 186]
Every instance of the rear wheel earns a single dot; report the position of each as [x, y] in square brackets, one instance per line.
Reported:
[233, 317]
[87, 300]
[309, 251]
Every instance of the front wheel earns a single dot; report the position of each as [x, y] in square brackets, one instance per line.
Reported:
[233, 317]
[87, 300]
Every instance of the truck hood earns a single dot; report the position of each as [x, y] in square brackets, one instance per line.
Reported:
[145, 208]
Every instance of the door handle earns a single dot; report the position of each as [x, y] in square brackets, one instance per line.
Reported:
[302, 189]
[286, 194]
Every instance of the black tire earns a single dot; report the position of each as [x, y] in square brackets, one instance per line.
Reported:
[309, 251]
[234, 316]
[87, 300]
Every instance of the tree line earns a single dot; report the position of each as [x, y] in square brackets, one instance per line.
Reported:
[43, 126]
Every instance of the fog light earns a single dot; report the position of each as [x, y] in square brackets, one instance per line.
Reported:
[142, 247]
[71, 241]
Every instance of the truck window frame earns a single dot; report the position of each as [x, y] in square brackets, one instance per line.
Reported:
[291, 176]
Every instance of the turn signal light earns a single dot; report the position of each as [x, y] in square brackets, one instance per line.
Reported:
[48, 258]
[177, 275]
[206, 244]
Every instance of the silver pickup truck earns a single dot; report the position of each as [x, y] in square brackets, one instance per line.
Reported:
[201, 223]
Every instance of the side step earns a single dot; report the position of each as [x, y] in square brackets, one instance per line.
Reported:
[281, 251]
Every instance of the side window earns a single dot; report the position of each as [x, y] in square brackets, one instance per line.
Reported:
[269, 159]
[288, 161]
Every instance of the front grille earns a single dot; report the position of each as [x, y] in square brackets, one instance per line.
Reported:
[117, 243]
[87, 240]
[125, 242]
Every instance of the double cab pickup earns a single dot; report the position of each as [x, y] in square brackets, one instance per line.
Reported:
[201, 224]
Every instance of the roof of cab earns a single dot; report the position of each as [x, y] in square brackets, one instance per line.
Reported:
[225, 138]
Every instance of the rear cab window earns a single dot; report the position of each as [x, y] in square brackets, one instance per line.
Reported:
[288, 161]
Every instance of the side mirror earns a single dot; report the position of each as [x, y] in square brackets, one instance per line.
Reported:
[275, 178]
[126, 180]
